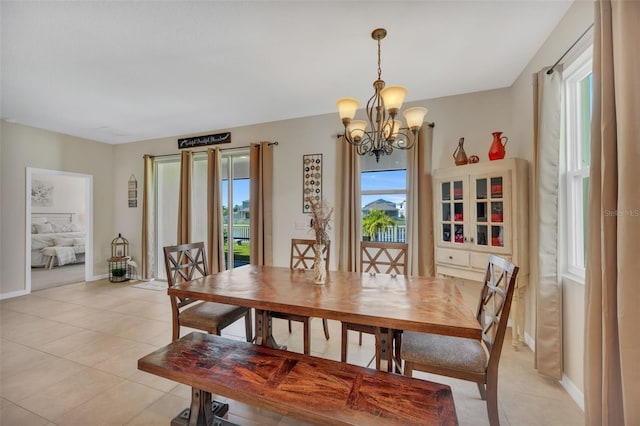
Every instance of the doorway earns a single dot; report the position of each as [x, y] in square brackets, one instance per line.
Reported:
[59, 228]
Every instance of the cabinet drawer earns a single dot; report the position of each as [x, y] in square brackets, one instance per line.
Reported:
[479, 260]
[453, 257]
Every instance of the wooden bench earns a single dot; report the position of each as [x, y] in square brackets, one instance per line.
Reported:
[304, 387]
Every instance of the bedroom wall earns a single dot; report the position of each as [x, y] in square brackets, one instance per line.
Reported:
[68, 196]
[23, 147]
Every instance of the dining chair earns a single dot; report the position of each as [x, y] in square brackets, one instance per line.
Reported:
[186, 262]
[380, 258]
[302, 257]
[470, 359]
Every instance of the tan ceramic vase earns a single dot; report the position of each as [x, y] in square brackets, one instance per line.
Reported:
[459, 156]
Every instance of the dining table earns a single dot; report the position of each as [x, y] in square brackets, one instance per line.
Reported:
[392, 302]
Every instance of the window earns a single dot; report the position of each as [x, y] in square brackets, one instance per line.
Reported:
[578, 95]
[383, 189]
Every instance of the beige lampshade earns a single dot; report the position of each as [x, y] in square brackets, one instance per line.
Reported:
[415, 116]
[357, 128]
[393, 96]
[347, 107]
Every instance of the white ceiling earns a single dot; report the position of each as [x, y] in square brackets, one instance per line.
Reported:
[123, 71]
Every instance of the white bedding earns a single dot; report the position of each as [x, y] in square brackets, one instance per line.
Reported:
[43, 247]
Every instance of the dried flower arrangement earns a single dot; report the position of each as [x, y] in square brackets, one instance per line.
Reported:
[321, 214]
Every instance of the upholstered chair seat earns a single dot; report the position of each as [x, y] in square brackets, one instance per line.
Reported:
[455, 353]
[210, 316]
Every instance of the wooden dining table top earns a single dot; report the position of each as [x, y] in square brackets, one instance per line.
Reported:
[412, 303]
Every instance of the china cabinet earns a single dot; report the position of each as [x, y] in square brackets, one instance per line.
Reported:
[481, 208]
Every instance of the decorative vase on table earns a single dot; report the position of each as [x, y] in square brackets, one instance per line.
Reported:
[319, 266]
[497, 151]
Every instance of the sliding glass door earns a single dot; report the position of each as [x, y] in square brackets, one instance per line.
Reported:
[235, 208]
[235, 193]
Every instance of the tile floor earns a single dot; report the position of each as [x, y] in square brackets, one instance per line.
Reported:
[68, 356]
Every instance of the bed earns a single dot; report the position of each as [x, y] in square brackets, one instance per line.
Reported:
[56, 240]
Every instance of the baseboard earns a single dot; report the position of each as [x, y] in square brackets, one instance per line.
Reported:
[530, 341]
[573, 391]
[13, 294]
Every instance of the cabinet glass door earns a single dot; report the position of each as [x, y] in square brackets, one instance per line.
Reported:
[482, 207]
[489, 203]
[452, 211]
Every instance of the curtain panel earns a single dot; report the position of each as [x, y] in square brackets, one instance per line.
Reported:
[215, 236]
[420, 205]
[184, 201]
[612, 296]
[261, 205]
[148, 219]
[347, 225]
[547, 134]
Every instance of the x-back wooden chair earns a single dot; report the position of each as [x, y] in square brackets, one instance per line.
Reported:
[302, 256]
[380, 258]
[467, 359]
[186, 262]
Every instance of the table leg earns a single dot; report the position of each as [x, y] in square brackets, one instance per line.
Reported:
[264, 330]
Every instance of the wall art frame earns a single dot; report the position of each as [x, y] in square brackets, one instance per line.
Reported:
[312, 170]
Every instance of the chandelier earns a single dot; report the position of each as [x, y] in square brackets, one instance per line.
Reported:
[382, 133]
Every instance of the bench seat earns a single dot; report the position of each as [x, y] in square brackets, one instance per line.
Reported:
[304, 387]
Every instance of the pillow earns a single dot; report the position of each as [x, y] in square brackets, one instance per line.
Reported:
[35, 220]
[78, 242]
[74, 227]
[58, 227]
[64, 242]
[44, 228]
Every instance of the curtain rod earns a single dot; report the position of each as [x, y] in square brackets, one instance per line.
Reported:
[205, 150]
[550, 70]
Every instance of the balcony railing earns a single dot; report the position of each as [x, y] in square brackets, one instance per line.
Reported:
[395, 234]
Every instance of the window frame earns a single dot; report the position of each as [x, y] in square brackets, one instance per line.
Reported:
[397, 161]
[575, 171]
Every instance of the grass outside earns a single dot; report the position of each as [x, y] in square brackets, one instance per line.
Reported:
[240, 250]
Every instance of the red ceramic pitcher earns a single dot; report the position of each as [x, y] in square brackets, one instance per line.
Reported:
[497, 152]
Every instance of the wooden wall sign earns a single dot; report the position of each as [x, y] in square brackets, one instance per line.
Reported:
[216, 139]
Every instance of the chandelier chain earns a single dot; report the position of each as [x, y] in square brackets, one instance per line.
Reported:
[379, 67]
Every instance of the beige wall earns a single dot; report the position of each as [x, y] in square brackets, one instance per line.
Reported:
[473, 116]
[24, 147]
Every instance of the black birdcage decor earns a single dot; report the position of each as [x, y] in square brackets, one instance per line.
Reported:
[119, 247]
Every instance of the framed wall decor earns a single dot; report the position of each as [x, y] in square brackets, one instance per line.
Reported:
[133, 191]
[311, 180]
